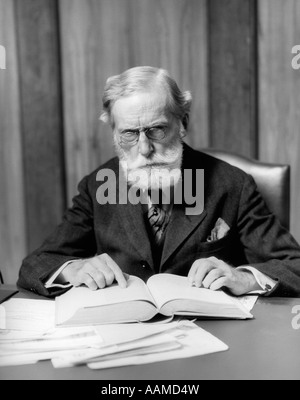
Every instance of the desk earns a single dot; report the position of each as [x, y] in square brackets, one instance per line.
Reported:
[264, 348]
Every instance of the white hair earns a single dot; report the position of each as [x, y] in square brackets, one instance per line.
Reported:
[143, 78]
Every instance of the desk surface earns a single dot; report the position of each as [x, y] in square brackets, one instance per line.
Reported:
[266, 347]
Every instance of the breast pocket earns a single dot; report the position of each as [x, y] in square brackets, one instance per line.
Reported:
[222, 248]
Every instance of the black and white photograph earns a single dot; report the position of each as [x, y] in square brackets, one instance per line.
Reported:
[150, 193]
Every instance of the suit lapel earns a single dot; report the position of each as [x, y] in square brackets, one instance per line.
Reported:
[181, 225]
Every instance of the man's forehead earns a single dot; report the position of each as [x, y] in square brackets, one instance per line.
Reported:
[141, 106]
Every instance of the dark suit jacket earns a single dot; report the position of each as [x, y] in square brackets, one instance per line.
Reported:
[256, 237]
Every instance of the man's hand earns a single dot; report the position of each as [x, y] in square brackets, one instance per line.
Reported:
[214, 274]
[96, 272]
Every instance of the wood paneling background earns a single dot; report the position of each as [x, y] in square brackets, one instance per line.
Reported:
[279, 92]
[12, 201]
[233, 75]
[41, 117]
[234, 55]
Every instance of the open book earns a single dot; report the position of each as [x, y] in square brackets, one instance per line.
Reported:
[164, 294]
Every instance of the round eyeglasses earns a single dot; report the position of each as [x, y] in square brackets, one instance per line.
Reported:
[131, 137]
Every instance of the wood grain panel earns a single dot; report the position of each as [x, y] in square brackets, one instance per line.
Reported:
[101, 38]
[12, 210]
[279, 88]
[37, 27]
[94, 47]
[232, 66]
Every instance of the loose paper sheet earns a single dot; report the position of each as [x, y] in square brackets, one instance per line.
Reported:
[2, 317]
[248, 301]
[16, 349]
[144, 343]
[194, 342]
[29, 315]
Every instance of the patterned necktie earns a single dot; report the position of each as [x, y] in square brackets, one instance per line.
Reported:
[158, 219]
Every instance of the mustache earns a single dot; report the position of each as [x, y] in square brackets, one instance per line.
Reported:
[171, 159]
[159, 160]
[155, 164]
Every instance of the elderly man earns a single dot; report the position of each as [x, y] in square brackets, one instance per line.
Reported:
[233, 242]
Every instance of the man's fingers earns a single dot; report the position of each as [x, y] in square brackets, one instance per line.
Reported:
[102, 273]
[218, 284]
[193, 270]
[212, 276]
[89, 282]
[99, 272]
[199, 270]
[202, 272]
[119, 276]
[94, 273]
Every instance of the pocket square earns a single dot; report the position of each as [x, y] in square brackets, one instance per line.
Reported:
[220, 230]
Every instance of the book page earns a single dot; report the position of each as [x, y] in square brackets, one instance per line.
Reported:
[167, 287]
[173, 292]
[82, 297]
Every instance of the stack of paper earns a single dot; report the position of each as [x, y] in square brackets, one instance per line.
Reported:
[129, 344]
[108, 346]
[25, 348]
[28, 333]
[27, 315]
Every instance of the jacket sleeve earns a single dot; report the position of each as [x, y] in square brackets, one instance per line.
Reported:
[268, 246]
[73, 239]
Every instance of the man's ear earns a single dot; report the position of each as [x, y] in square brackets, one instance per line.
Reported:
[185, 121]
[107, 119]
[182, 131]
[104, 117]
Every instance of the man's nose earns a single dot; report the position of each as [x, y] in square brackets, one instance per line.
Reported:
[145, 145]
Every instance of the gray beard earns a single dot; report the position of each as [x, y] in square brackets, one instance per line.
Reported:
[161, 173]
